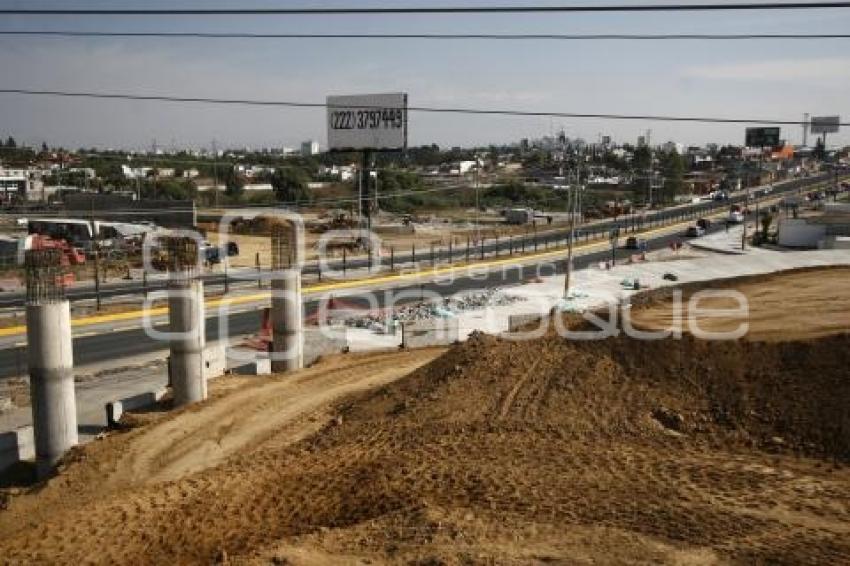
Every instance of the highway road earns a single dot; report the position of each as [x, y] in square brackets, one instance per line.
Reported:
[542, 240]
[114, 345]
[122, 344]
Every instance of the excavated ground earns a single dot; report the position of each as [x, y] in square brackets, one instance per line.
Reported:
[615, 451]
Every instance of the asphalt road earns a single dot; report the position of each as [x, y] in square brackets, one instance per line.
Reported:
[504, 245]
[121, 344]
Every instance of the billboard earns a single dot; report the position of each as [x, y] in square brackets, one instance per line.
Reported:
[825, 124]
[367, 122]
[762, 137]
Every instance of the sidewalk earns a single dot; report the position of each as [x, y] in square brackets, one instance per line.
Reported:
[725, 242]
[594, 287]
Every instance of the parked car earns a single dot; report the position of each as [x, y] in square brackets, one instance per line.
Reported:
[694, 232]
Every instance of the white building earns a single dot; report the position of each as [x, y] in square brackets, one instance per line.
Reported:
[828, 231]
[14, 184]
[135, 172]
[671, 146]
[258, 188]
[309, 148]
[341, 172]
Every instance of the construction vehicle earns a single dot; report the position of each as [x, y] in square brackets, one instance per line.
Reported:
[71, 255]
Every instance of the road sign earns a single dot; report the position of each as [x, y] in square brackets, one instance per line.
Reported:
[367, 122]
[825, 124]
[762, 137]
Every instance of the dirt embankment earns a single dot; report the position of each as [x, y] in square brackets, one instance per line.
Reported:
[796, 305]
[496, 452]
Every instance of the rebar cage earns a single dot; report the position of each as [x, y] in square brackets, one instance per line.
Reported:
[283, 252]
[45, 276]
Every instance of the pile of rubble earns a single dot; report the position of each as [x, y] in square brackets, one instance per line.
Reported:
[386, 321]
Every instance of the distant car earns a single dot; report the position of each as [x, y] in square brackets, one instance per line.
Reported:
[704, 223]
[633, 243]
[212, 255]
[735, 217]
[694, 232]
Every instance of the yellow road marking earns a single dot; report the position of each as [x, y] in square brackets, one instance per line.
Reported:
[395, 277]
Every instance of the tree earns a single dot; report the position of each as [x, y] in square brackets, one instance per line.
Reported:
[290, 184]
[10, 143]
[642, 158]
[44, 147]
[234, 185]
[673, 167]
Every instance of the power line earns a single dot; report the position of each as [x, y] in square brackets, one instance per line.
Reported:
[434, 36]
[715, 7]
[427, 109]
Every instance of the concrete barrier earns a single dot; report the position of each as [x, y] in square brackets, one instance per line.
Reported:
[215, 361]
[435, 332]
[261, 366]
[116, 409]
[15, 446]
[324, 342]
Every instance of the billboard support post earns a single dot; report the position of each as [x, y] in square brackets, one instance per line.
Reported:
[367, 123]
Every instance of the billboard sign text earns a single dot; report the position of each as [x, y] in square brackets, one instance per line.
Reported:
[367, 122]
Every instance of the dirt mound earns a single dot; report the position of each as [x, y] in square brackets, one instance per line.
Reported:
[672, 451]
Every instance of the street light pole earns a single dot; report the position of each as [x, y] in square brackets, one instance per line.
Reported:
[573, 196]
[477, 203]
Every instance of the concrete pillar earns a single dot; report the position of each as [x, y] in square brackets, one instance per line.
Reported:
[187, 320]
[287, 322]
[51, 368]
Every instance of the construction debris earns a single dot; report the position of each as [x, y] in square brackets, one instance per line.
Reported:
[387, 320]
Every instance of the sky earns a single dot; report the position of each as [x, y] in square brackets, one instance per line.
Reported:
[775, 79]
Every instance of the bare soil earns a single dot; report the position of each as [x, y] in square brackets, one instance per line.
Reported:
[494, 452]
[788, 306]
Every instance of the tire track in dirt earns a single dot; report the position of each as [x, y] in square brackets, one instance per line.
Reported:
[508, 401]
[288, 408]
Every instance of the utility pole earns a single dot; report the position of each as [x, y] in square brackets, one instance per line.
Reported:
[649, 167]
[96, 235]
[573, 196]
[477, 202]
[360, 199]
[215, 173]
[806, 129]
[155, 168]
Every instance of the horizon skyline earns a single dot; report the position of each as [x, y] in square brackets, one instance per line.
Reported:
[753, 79]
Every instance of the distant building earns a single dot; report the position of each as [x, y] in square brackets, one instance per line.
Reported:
[135, 172]
[14, 184]
[258, 187]
[88, 172]
[309, 148]
[830, 231]
[785, 152]
[341, 172]
[672, 146]
[519, 216]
